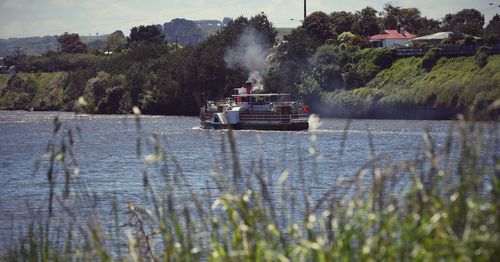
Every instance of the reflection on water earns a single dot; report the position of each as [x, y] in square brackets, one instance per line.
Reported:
[110, 167]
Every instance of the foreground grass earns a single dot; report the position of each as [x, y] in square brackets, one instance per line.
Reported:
[424, 221]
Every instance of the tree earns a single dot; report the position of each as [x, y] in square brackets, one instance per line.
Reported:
[318, 25]
[410, 19]
[150, 34]
[261, 23]
[366, 24]
[396, 17]
[71, 43]
[298, 46]
[391, 13]
[492, 31]
[428, 26]
[349, 39]
[115, 42]
[467, 21]
[342, 21]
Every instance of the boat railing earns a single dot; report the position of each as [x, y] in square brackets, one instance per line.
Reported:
[272, 116]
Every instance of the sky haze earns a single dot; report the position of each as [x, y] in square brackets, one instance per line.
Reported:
[21, 18]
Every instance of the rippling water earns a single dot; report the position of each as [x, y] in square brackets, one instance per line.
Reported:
[106, 154]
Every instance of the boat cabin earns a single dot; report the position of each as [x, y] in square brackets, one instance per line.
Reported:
[244, 98]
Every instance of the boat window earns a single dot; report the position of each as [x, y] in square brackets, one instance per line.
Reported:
[260, 100]
[284, 98]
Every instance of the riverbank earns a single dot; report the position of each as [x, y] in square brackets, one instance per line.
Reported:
[407, 91]
[403, 91]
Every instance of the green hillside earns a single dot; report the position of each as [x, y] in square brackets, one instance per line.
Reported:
[404, 90]
[42, 91]
[452, 85]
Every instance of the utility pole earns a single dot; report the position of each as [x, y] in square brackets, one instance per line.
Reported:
[305, 13]
[197, 35]
[18, 49]
[176, 40]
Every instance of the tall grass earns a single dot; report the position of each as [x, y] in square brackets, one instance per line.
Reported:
[453, 84]
[446, 209]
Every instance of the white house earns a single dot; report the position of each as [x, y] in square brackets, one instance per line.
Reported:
[392, 38]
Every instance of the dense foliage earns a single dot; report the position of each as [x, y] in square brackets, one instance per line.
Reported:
[406, 90]
[327, 53]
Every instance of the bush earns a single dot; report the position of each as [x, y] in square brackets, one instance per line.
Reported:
[383, 57]
[430, 59]
[481, 56]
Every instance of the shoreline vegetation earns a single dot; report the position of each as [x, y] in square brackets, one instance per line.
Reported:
[432, 207]
[327, 63]
[403, 91]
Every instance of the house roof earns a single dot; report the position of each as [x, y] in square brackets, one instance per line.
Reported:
[436, 36]
[392, 34]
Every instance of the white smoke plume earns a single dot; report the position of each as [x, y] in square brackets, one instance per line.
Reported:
[249, 53]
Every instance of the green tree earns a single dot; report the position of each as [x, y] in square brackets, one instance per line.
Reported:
[349, 39]
[366, 24]
[467, 21]
[318, 25]
[328, 62]
[261, 23]
[428, 26]
[136, 82]
[492, 31]
[391, 19]
[298, 45]
[149, 34]
[342, 21]
[71, 43]
[396, 17]
[104, 93]
[115, 42]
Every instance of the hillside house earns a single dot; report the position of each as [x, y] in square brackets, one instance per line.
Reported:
[392, 38]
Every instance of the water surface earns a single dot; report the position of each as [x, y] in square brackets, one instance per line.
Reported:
[109, 165]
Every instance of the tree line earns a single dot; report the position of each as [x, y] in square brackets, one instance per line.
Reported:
[327, 52]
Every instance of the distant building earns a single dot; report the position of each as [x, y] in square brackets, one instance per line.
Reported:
[226, 21]
[433, 39]
[207, 25]
[188, 32]
[282, 32]
[392, 38]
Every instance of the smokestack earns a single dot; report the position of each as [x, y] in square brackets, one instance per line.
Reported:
[248, 87]
[402, 30]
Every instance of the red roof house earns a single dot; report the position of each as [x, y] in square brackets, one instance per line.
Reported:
[392, 38]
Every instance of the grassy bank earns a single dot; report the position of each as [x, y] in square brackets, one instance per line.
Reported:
[41, 91]
[447, 209]
[406, 90]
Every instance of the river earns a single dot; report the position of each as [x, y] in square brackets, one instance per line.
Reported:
[108, 160]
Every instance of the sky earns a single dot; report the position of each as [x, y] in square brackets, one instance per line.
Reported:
[21, 18]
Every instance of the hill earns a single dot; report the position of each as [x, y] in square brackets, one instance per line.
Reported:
[405, 90]
[39, 45]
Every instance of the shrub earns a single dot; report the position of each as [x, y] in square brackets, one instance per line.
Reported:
[383, 57]
[481, 56]
[430, 59]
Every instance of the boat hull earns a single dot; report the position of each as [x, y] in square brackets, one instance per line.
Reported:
[294, 126]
